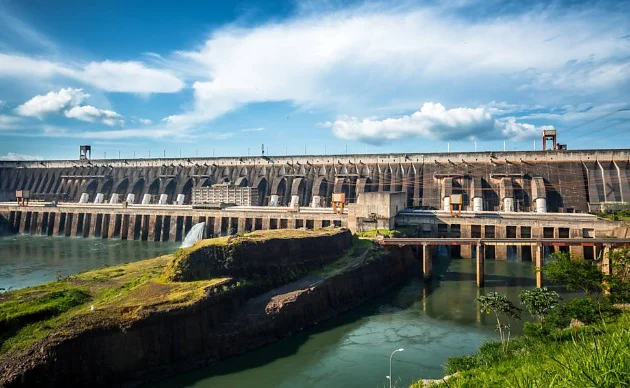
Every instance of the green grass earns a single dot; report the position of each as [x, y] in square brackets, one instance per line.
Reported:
[592, 356]
[399, 232]
[119, 294]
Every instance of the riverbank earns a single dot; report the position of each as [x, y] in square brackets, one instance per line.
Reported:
[596, 355]
[144, 327]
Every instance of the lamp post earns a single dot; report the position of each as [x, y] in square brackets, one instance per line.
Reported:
[390, 366]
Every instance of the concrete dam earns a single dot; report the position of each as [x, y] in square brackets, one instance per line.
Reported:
[152, 199]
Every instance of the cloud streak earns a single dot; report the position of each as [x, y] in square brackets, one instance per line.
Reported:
[109, 76]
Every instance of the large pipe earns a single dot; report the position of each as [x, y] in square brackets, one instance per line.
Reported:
[478, 204]
[541, 205]
[99, 198]
[85, 197]
[163, 199]
[146, 199]
[113, 199]
[317, 201]
[508, 204]
[295, 201]
[180, 199]
[447, 204]
[131, 198]
[273, 201]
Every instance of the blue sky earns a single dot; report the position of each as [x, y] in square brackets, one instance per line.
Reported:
[221, 78]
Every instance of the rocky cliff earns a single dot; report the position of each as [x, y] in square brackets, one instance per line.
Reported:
[169, 342]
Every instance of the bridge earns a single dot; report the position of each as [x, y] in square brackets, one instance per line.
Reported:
[479, 247]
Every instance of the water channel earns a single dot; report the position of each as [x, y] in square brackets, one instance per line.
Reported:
[431, 322]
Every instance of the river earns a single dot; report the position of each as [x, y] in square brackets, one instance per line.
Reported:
[430, 322]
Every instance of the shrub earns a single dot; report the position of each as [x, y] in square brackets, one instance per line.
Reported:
[504, 310]
[574, 274]
[539, 301]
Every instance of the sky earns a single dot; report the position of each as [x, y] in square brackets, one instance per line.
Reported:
[216, 78]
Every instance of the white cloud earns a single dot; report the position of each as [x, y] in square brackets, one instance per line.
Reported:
[12, 156]
[52, 103]
[8, 122]
[365, 56]
[67, 101]
[145, 121]
[434, 121]
[2, 104]
[110, 76]
[91, 114]
[253, 129]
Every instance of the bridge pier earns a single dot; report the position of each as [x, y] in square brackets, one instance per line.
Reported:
[539, 259]
[481, 253]
[427, 262]
[606, 265]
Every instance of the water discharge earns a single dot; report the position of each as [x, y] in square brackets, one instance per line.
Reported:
[195, 234]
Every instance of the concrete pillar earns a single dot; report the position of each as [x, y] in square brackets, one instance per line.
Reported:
[217, 225]
[163, 199]
[274, 201]
[519, 252]
[266, 221]
[576, 250]
[114, 199]
[291, 223]
[427, 262]
[317, 201]
[477, 204]
[85, 197]
[241, 225]
[146, 199]
[131, 198]
[539, 260]
[481, 253]
[180, 199]
[99, 198]
[466, 250]
[500, 250]
[606, 266]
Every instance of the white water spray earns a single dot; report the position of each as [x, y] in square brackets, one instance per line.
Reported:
[195, 234]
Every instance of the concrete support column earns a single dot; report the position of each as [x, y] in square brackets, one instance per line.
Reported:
[466, 250]
[606, 265]
[427, 262]
[241, 225]
[291, 223]
[539, 260]
[217, 224]
[481, 254]
[266, 222]
[576, 251]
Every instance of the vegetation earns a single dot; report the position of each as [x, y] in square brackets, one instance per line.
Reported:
[616, 212]
[584, 342]
[391, 233]
[118, 294]
[503, 310]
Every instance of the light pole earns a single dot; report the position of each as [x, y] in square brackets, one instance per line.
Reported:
[390, 366]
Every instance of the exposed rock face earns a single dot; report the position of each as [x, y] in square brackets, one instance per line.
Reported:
[168, 343]
[276, 260]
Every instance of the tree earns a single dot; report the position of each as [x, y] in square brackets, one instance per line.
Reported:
[574, 274]
[539, 302]
[504, 310]
[618, 281]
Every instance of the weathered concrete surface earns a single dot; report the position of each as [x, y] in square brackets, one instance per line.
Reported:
[572, 179]
[169, 343]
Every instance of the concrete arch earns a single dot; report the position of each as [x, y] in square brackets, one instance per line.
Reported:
[261, 184]
[397, 181]
[122, 187]
[187, 190]
[205, 182]
[138, 189]
[364, 185]
[320, 187]
[279, 188]
[106, 187]
[154, 187]
[241, 182]
[91, 188]
[298, 187]
[385, 178]
[169, 189]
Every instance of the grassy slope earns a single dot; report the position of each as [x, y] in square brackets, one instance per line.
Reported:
[119, 294]
[594, 356]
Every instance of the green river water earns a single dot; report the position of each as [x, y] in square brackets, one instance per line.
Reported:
[431, 322]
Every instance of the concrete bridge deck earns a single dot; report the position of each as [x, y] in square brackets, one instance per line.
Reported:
[606, 244]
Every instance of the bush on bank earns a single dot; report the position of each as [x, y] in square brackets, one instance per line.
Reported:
[581, 343]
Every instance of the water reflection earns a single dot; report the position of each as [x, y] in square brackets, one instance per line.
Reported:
[30, 260]
[431, 321]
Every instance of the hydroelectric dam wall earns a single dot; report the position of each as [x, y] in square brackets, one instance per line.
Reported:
[514, 182]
